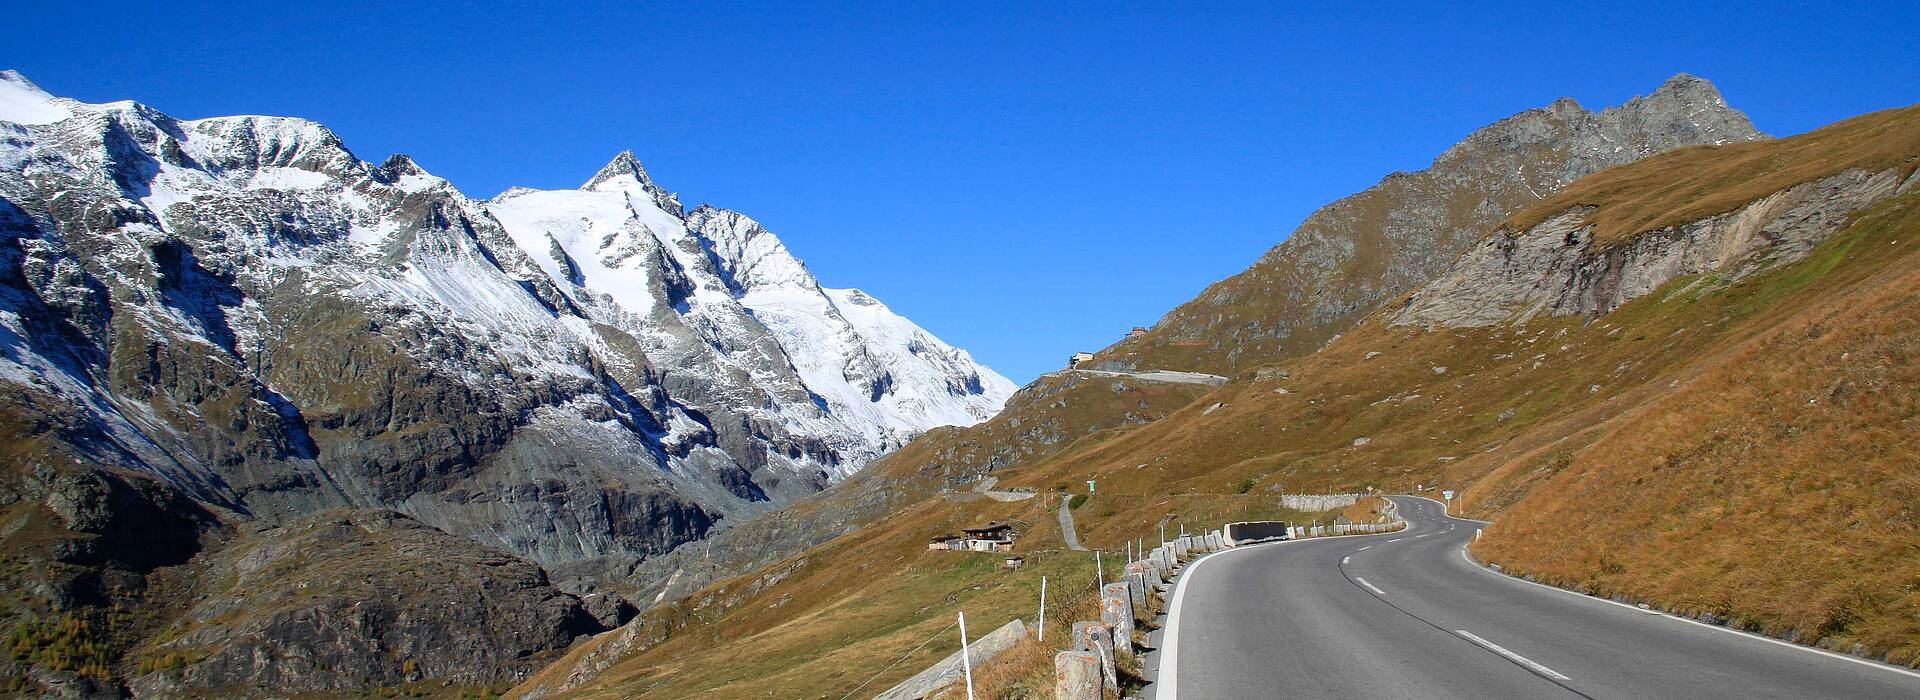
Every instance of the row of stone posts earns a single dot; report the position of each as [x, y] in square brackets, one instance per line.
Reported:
[1083, 671]
[1334, 530]
[1394, 523]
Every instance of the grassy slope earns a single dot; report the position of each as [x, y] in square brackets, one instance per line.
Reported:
[1777, 487]
[1533, 421]
[873, 594]
[1053, 413]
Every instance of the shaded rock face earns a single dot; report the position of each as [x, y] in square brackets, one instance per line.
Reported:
[143, 591]
[84, 556]
[1354, 254]
[1556, 269]
[351, 599]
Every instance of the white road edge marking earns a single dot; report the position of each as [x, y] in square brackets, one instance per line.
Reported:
[1531, 665]
[1717, 628]
[1370, 587]
[1166, 684]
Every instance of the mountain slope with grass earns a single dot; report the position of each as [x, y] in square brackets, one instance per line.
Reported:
[1703, 403]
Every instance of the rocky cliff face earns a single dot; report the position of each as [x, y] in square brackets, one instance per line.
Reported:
[272, 328]
[1366, 249]
[330, 601]
[1556, 268]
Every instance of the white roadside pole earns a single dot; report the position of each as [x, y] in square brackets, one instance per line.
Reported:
[1099, 570]
[966, 662]
[1043, 608]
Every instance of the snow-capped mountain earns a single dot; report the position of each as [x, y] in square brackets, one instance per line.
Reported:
[690, 285]
[585, 376]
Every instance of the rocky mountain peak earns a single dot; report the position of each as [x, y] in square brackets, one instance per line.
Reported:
[15, 77]
[1684, 110]
[1410, 226]
[1688, 83]
[399, 165]
[626, 173]
[750, 255]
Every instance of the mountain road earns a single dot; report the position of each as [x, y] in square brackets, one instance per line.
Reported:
[1407, 614]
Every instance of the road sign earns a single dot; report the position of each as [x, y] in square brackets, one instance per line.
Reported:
[1447, 494]
[1089, 486]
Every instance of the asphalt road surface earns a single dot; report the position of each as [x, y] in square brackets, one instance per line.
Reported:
[1406, 615]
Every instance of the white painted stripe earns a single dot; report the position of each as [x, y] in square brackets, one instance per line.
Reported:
[1345, 560]
[1370, 587]
[1717, 628]
[1396, 539]
[1362, 549]
[1531, 665]
[1420, 536]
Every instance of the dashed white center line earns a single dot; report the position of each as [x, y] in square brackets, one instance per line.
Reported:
[1344, 560]
[1530, 664]
[1370, 587]
[1396, 539]
[1420, 536]
[1362, 549]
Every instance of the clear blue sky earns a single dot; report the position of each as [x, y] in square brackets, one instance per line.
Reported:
[1024, 182]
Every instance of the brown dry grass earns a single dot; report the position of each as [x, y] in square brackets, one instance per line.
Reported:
[1776, 488]
[1694, 183]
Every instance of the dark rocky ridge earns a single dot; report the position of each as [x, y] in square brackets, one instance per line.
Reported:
[332, 600]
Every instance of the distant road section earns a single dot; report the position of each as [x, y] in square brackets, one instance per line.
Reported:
[1067, 532]
[1157, 375]
[1407, 615]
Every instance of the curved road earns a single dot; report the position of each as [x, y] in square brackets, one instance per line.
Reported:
[1405, 615]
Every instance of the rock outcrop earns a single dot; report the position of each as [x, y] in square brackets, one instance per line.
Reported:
[1556, 268]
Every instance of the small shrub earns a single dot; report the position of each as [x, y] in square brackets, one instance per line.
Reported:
[1079, 499]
